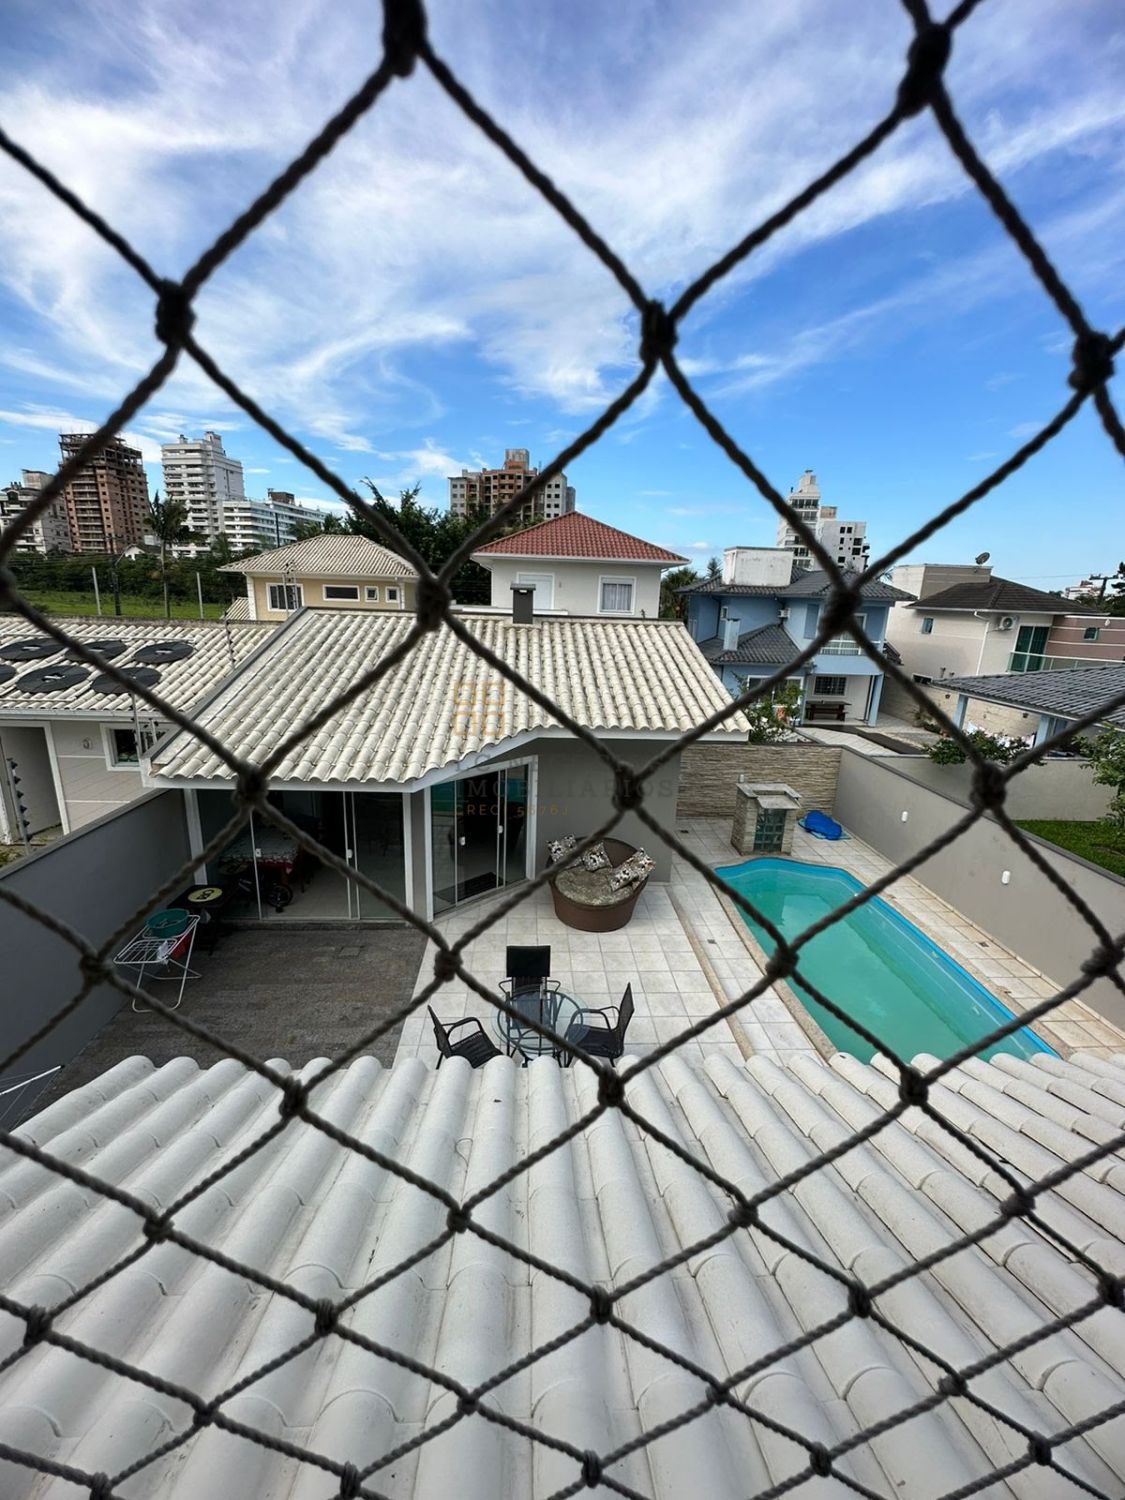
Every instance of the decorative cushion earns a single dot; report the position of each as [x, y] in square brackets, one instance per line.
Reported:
[635, 868]
[596, 858]
[558, 849]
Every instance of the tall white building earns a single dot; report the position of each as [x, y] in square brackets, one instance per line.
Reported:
[202, 475]
[489, 489]
[50, 531]
[844, 541]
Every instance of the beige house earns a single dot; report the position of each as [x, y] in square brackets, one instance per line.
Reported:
[337, 569]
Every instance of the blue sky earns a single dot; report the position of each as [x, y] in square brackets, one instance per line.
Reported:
[416, 307]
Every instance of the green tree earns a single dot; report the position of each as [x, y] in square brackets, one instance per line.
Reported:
[714, 570]
[673, 605]
[436, 535]
[169, 523]
[1106, 755]
[771, 718]
[947, 752]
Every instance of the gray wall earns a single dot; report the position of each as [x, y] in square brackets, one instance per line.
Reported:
[1055, 789]
[28, 748]
[575, 795]
[1028, 915]
[91, 787]
[92, 880]
[709, 774]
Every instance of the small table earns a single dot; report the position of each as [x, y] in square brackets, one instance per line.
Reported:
[148, 951]
[550, 1008]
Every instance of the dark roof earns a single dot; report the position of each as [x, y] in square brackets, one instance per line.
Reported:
[892, 653]
[1071, 693]
[768, 645]
[805, 583]
[1003, 597]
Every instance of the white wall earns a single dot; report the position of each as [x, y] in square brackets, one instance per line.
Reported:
[576, 584]
[90, 787]
[960, 644]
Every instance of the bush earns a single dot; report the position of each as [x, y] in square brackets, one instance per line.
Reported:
[947, 752]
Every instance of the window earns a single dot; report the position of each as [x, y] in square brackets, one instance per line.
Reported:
[830, 687]
[927, 624]
[392, 594]
[371, 595]
[616, 596]
[1091, 633]
[920, 677]
[341, 591]
[286, 596]
[122, 746]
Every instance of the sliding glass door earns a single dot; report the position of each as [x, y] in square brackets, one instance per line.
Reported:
[478, 838]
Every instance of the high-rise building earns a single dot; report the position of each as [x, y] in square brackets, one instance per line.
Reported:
[844, 541]
[49, 532]
[107, 500]
[488, 489]
[204, 478]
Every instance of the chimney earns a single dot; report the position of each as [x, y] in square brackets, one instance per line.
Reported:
[523, 603]
[730, 634]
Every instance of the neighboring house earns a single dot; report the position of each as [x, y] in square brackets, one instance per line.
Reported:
[579, 566]
[441, 780]
[1045, 702]
[565, 1196]
[70, 742]
[1083, 640]
[336, 568]
[967, 622]
[758, 617]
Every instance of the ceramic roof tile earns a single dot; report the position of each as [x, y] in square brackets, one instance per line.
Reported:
[336, 554]
[1002, 596]
[768, 645]
[575, 535]
[1071, 693]
[605, 1206]
[443, 702]
[218, 648]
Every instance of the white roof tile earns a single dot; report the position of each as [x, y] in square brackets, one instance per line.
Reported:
[335, 554]
[606, 1206]
[218, 647]
[443, 703]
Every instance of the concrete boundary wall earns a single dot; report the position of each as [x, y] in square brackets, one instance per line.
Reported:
[1053, 789]
[709, 774]
[1027, 915]
[92, 880]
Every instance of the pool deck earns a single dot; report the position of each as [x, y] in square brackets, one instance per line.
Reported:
[686, 953]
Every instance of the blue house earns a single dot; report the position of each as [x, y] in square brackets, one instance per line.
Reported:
[763, 611]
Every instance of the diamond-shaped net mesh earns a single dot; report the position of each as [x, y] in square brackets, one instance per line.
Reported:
[406, 47]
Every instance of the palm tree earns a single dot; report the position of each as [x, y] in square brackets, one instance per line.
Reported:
[169, 524]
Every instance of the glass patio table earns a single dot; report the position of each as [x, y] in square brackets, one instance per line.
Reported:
[546, 1007]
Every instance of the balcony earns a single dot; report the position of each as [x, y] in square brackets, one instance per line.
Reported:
[1035, 661]
[840, 645]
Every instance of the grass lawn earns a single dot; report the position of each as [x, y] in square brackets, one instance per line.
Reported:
[59, 602]
[1097, 842]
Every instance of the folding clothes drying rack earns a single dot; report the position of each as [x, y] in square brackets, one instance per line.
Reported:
[147, 951]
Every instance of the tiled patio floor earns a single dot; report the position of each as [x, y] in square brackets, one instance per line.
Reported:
[685, 957]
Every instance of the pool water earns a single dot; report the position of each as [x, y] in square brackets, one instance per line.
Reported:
[874, 964]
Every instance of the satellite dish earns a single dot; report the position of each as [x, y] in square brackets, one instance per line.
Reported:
[982, 557]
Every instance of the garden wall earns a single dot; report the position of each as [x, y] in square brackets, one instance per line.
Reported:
[709, 774]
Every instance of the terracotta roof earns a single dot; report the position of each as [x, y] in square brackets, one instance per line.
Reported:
[442, 702]
[769, 646]
[334, 554]
[576, 535]
[1071, 693]
[327, 1223]
[217, 649]
[1001, 596]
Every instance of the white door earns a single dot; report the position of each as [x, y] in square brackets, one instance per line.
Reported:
[544, 588]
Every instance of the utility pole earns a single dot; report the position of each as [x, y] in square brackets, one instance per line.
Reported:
[111, 543]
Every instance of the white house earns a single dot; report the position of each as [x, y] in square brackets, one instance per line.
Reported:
[579, 566]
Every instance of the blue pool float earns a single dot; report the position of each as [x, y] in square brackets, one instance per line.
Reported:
[821, 826]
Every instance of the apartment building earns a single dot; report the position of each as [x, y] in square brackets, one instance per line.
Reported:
[844, 541]
[49, 532]
[107, 500]
[489, 489]
[203, 476]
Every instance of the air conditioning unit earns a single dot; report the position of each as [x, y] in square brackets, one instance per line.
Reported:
[1005, 622]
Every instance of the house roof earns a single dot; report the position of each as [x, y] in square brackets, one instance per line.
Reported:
[1000, 596]
[609, 1203]
[769, 645]
[237, 609]
[577, 536]
[804, 583]
[1070, 693]
[217, 647]
[442, 703]
[334, 554]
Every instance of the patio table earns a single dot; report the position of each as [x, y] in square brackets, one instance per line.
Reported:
[547, 1007]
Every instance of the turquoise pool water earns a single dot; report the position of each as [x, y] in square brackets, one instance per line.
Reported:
[874, 964]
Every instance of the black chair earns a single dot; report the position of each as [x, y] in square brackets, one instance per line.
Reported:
[476, 1048]
[528, 968]
[602, 1038]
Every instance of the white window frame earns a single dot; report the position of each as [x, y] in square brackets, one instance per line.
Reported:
[350, 598]
[537, 581]
[109, 746]
[824, 692]
[393, 594]
[283, 609]
[621, 579]
[371, 593]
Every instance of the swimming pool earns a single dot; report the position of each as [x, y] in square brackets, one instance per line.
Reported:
[874, 964]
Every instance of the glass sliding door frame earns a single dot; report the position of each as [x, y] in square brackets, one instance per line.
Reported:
[514, 799]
